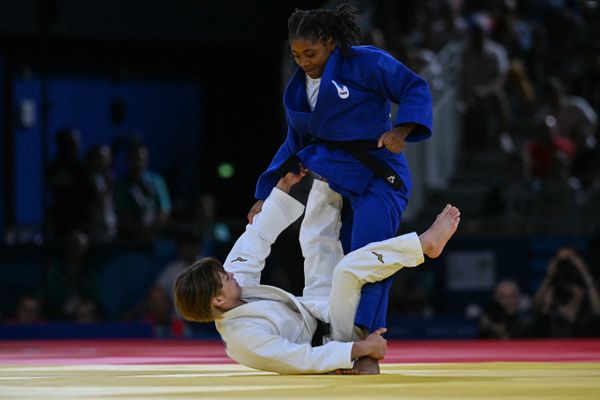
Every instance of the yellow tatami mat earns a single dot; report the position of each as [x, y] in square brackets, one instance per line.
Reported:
[506, 380]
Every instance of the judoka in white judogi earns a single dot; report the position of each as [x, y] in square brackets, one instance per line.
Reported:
[274, 329]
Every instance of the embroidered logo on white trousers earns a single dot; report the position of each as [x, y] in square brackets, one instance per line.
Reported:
[343, 91]
[239, 259]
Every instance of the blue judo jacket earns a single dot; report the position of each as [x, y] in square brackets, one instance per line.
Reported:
[353, 104]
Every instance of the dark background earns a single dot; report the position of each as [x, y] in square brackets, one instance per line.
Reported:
[201, 82]
[228, 53]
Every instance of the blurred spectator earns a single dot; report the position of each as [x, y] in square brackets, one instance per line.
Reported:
[200, 215]
[215, 234]
[88, 311]
[29, 310]
[416, 58]
[188, 251]
[555, 195]
[567, 303]
[449, 27]
[406, 43]
[157, 310]
[507, 316]
[103, 224]
[142, 197]
[521, 97]
[483, 100]
[68, 186]
[513, 31]
[565, 45]
[510, 198]
[575, 118]
[404, 20]
[546, 147]
[71, 280]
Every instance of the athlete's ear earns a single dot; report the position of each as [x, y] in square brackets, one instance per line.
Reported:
[217, 301]
[330, 44]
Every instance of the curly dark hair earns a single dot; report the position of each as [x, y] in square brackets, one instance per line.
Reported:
[321, 24]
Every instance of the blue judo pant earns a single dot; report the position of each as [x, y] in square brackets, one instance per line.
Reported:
[374, 216]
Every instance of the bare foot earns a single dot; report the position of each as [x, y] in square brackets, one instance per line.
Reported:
[346, 371]
[366, 366]
[435, 238]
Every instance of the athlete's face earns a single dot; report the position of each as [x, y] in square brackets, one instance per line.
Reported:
[230, 293]
[312, 56]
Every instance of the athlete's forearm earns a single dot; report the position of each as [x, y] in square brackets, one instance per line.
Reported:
[360, 349]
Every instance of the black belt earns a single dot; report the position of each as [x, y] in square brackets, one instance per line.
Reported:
[356, 148]
[321, 331]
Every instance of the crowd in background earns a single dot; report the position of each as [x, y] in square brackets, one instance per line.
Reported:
[84, 195]
[529, 88]
[566, 304]
[92, 210]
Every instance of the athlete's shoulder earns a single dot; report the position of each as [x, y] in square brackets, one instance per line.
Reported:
[365, 60]
[368, 52]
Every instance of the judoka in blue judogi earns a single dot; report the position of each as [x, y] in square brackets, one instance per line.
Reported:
[338, 137]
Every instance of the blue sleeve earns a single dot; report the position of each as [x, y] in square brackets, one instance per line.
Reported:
[268, 179]
[407, 89]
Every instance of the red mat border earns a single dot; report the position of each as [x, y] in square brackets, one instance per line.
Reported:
[122, 352]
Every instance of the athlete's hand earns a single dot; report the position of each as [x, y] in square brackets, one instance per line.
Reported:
[393, 140]
[376, 344]
[285, 184]
[256, 208]
[290, 179]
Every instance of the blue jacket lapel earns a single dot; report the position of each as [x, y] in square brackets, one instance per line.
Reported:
[295, 100]
[294, 97]
[326, 92]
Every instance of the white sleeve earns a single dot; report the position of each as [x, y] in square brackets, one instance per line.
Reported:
[254, 347]
[247, 257]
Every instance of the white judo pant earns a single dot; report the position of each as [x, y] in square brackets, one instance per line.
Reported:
[330, 274]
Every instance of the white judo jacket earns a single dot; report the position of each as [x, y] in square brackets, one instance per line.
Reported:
[274, 329]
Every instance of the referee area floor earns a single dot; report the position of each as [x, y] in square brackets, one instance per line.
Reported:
[193, 369]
